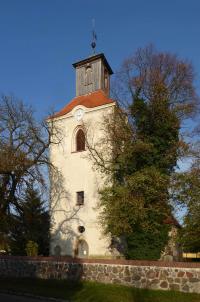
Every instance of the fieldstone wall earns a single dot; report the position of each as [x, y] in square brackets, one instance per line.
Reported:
[178, 276]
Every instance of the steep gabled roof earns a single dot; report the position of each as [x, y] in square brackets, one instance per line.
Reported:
[91, 100]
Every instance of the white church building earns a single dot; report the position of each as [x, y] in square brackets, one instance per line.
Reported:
[75, 227]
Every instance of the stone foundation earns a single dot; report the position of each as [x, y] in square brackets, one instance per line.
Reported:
[178, 276]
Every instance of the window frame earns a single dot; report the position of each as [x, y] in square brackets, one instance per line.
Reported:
[88, 75]
[78, 147]
[80, 195]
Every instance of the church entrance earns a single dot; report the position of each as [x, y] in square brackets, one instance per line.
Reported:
[57, 250]
[83, 249]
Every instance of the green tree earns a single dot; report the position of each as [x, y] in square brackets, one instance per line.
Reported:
[31, 248]
[31, 224]
[155, 93]
[186, 192]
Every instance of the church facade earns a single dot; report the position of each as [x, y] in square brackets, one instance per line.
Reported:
[75, 227]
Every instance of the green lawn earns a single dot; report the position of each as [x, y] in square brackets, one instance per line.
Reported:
[89, 291]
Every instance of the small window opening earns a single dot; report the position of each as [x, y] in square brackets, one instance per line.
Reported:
[81, 229]
[106, 80]
[80, 140]
[88, 75]
[80, 198]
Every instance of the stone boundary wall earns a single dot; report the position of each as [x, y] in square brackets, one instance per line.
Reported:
[180, 276]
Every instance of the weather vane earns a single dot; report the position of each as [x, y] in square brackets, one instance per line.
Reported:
[94, 36]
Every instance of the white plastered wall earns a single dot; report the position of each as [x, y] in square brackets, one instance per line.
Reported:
[78, 174]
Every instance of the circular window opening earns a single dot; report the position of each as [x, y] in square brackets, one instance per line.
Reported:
[81, 229]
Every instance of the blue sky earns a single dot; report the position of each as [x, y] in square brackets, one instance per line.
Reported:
[40, 39]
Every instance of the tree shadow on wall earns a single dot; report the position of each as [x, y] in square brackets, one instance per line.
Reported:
[64, 215]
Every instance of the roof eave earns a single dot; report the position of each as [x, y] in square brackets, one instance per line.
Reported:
[92, 58]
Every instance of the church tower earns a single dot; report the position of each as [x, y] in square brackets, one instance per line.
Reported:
[75, 228]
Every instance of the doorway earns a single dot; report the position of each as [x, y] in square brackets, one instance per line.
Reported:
[83, 249]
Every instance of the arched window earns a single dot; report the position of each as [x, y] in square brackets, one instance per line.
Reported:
[80, 140]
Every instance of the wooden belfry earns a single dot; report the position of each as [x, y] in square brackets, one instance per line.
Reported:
[93, 74]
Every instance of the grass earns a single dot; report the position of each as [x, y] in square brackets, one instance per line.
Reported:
[91, 291]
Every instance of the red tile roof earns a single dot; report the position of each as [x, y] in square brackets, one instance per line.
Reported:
[172, 221]
[91, 100]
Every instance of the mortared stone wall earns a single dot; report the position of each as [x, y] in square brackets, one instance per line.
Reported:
[179, 276]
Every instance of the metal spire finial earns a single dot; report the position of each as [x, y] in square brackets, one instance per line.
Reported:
[94, 36]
